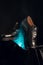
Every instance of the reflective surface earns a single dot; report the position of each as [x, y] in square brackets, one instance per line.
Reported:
[20, 38]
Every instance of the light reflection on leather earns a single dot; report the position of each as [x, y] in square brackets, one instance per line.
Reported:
[19, 39]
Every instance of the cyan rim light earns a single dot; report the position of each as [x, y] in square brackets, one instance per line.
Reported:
[20, 38]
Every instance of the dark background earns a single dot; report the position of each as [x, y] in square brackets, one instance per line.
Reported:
[12, 11]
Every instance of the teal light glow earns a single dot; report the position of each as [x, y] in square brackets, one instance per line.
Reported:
[19, 39]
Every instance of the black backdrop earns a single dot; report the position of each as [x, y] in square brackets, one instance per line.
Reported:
[10, 11]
